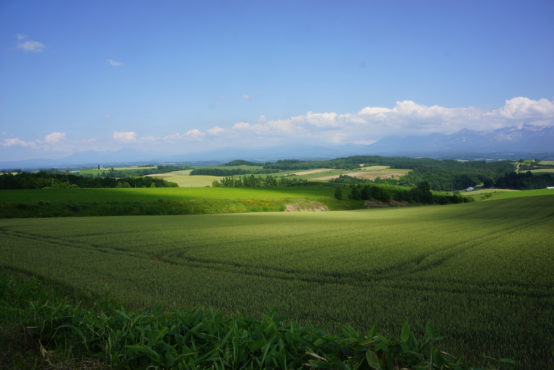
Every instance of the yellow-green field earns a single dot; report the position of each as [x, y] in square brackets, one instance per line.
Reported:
[184, 180]
[543, 170]
[490, 194]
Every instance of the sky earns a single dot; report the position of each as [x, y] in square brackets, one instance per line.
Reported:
[184, 76]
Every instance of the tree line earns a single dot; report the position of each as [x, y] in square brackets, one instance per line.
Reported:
[258, 181]
[43, 179]
[440, 174]
[421, 193]
[526, 180]
[111, 172]
[512, 180]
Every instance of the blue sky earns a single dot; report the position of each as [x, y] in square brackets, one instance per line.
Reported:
[178, 76]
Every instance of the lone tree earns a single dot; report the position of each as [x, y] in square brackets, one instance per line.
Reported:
[338, 192]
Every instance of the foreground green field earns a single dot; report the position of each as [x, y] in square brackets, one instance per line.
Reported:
[482, 273]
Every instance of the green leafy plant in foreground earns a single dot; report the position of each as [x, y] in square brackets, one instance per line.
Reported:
[201, 338]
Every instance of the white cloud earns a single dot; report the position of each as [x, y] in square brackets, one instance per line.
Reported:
[30, 45]
[215, 130]
[404, 118]
[241, 125]
[15, 141]
[107, 116]
[54, 137]
[520, 108]
[246, 97]
[125, 137]
[194, 133]
[363, 127]
[114, 63]
[173, 137]
[365, 142]
[20, 36]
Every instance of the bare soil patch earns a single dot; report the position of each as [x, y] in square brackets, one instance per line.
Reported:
[309, 172]
[372, 176]
[306, 207]
[327, 178]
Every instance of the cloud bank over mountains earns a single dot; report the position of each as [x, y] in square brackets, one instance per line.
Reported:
[365, 127]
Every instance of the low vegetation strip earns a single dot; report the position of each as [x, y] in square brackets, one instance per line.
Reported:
[480, 272]
[156, 201]
[70, 335]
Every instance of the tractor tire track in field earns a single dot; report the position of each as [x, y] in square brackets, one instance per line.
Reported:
[388, 276]
[63, 242]
[288, 274]
[477, 288]
[454, 249]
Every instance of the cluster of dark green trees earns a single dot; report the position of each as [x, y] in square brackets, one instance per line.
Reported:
[43, 179]
[258, 182]
[142, 171]
[418, 194]
[240, 162]
[512, 180]
[446, 175]
[441, 175]
[526, 180]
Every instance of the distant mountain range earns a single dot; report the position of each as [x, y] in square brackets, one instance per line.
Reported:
[507, 143]
[527, 139]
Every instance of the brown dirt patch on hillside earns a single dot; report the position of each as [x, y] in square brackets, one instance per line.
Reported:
[309, 172]
[159, 175]
[306, 207]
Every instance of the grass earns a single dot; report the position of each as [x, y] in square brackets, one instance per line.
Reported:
[148, 194]
[543, 170]
[480, 272]
[82, 334]
[184, 180]
[486, 191]
[490, 194]
[163, 201]
[174, 201]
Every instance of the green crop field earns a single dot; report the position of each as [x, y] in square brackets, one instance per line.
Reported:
[165, 201]
[489, 194]
[482, 273]
[183, 179]
[147, 194]
[543, 170]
